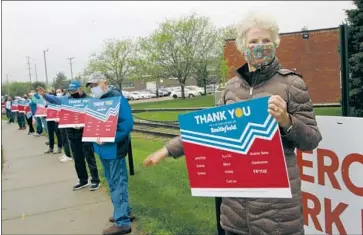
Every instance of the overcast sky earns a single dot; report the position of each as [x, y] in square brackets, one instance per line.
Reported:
[78, 29]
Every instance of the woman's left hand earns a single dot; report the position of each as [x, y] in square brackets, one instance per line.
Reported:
[278, 109]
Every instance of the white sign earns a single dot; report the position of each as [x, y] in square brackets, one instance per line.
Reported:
[332, 178]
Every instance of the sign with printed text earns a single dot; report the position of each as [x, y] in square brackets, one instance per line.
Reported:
[27, 110]
[72, 113]
[52, 112]
[14, 106]
[21, 106]
[235, 151]
[331, 177]
[41, 109]
[101, 120]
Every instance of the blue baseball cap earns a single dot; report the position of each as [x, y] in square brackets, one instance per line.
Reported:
[74, 85]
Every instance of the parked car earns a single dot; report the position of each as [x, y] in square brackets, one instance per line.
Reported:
[162, 92]
[171, 89]
[187, 93]
[147, 95]
[135, 95]
[200, 90]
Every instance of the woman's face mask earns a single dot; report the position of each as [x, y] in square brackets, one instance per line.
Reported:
[260, 50]
[260, 54]
[59, 94]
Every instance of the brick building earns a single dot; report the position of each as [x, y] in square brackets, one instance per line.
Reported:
[313, 53]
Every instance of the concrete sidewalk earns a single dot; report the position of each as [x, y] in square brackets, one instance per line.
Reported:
[37, 195]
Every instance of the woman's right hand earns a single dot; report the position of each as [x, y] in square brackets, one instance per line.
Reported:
[156, 157]
[41, 90]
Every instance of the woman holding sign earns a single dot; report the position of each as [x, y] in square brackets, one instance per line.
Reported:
[290, 104]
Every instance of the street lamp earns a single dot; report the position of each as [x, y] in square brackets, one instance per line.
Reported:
[45, 65]
[70, 63]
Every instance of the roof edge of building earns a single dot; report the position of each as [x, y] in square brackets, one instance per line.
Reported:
[299, 32]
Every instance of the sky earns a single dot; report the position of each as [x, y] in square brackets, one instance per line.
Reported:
[78, 29]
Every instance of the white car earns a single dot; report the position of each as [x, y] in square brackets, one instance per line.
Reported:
[200, 90]
[135, 95]
[147, 95]
[187, 93]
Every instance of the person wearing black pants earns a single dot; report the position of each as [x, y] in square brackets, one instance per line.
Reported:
[30, 124]
[29, 118]
[53, 129]
[83, 151]
[67, 151]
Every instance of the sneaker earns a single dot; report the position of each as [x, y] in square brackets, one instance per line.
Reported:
[61, 157]
[59, 150]
[117, 230]
[66, 159]
[94, 186]
[36, 135]
[80, 186]
[49, 151]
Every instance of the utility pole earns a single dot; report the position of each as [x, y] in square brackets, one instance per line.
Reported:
[7, 83]
[70, 63]
[45, 66]
[30, 75]
[36, 74]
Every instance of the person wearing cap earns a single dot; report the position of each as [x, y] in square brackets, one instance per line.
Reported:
[81, 151]
[112, 156]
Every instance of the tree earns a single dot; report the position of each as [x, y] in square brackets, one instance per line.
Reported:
[355, 53]
[35, 85]
[177, 45]
[208, 56]
[228, 32]
[116, 61]
[16, 88]
[60, 81]
[146, 67]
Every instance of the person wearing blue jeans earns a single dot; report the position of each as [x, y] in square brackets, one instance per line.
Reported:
[39, 130]
[113, 155]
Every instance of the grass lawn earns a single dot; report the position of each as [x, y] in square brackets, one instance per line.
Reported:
[161, 197]
[201, 101]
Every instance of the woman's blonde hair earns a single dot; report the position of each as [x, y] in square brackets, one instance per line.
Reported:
[258, 20]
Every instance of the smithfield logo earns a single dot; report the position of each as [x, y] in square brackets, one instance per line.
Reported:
[223, 115]
[108, 102]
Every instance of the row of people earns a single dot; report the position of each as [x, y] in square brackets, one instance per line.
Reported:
[112, 155]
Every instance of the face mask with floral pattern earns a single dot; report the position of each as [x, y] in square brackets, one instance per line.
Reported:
[260, 54]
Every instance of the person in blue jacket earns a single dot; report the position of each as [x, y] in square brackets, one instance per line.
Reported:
[35, 98]
[112, 156]
[81, 151]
